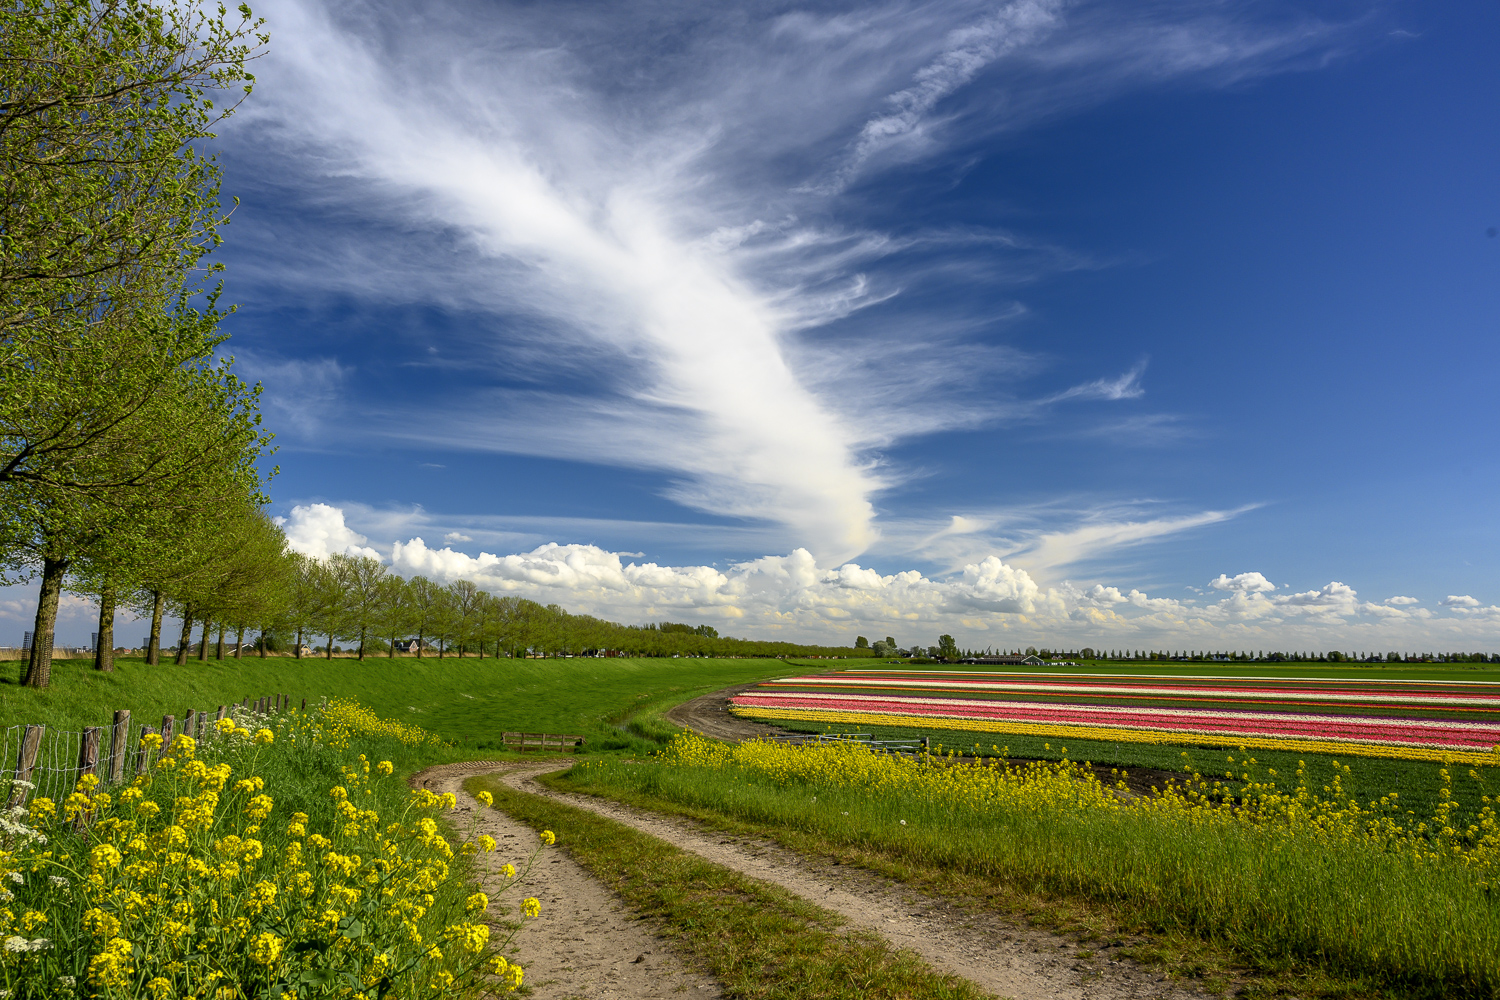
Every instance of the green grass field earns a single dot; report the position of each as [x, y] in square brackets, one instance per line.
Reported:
[616, 703]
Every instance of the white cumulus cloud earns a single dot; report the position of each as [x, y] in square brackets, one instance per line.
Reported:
[1244, 583]
[318, 530]
[1459, 601]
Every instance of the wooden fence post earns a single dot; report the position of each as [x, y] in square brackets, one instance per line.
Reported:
[190, 723]
[31, 744]
[119, 732]
[203, 729]
[88, 751]
[142, 753]
[167, 722]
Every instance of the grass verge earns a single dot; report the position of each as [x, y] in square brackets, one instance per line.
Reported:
[759, 941]
[1313, 900]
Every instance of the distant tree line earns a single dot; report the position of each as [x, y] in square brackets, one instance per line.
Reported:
[128, 447]
[290, 600]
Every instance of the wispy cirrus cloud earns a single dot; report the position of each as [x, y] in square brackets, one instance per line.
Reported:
[675, 226]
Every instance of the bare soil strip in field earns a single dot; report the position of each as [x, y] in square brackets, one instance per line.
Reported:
[586, 945]
[1005, 958]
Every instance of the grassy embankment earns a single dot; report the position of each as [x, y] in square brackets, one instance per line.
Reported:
[1289, 891]
[616, 703]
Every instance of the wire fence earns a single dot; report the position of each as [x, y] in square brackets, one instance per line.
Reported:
[907, 746]
[46, 762]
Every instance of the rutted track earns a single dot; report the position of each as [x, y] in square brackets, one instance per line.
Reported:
[1006, 959]
[586, 945]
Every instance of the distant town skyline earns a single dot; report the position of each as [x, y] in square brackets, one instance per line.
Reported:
[1035, 322]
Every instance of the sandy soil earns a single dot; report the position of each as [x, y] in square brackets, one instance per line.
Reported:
[586, 945]
[1007, 959]
[710, 716]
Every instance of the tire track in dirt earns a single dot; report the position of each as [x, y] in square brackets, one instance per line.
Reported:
[1005, 958]
[587, 944]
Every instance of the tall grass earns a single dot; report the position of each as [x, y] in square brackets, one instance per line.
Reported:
[1358, 889]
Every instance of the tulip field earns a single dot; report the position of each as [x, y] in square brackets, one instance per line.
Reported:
[1405, 719]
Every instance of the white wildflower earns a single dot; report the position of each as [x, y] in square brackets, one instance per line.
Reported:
[58, 881]
[18, 878]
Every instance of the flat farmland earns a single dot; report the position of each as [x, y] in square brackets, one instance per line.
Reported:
[1408, 719]
[1416, 724]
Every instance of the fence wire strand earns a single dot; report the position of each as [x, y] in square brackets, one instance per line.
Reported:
[56, 770]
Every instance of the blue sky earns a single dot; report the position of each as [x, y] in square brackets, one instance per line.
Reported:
[1129, 325]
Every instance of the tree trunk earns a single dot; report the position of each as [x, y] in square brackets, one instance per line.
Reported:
[298, 652]
[153, 644]
[481, 649]
[203, 643]
[239, 644]
[442, 647]
[39, 667]
[392, 655]
[104, 648]
[361, 643]
[184, 644]
[219, 652]
[419, 645]
[328, 649]
[261, 642]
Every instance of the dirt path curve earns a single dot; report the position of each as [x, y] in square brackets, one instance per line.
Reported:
[586, 945]
[1006, 959]
[709, 715]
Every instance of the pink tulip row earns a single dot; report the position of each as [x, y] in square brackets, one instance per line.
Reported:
[1436, 733]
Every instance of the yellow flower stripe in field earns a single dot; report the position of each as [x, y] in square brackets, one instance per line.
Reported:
[1107, 735]
[351, 715]
[1244, 796]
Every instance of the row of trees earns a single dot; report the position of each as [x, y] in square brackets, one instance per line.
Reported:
[128, 447]
[286, 599]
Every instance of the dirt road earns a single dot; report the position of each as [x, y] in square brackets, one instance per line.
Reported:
[1006, 959]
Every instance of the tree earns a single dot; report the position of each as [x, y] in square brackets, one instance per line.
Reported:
[425, 606]
[101, 109]
[463, 602]
[860, 642]
[393, 609]
[947, 648]
[361, 580]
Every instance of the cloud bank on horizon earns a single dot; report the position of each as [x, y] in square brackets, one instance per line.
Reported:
[987, 603]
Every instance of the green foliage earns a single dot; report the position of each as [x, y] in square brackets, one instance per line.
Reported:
[465, 701]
